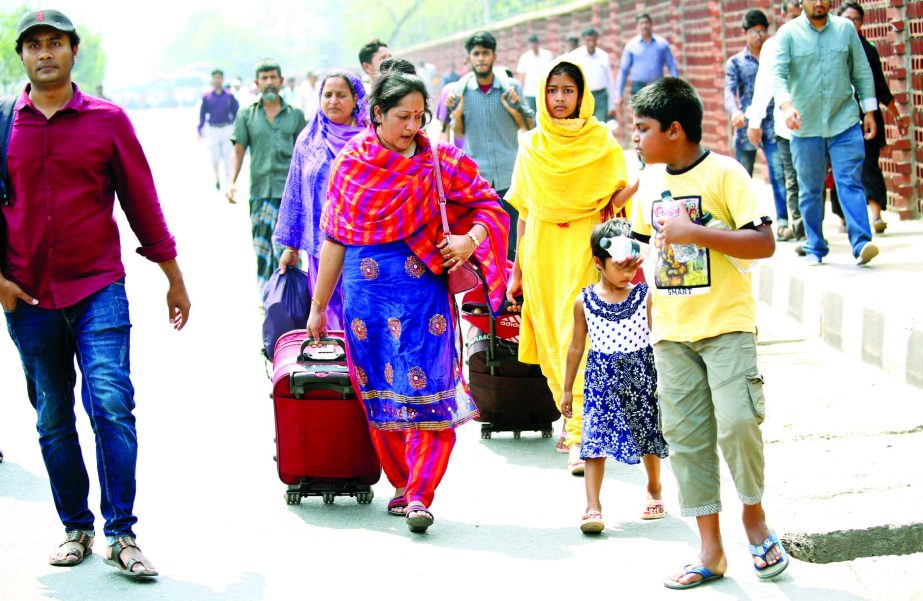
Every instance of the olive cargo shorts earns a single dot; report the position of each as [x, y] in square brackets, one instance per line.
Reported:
[711, 394]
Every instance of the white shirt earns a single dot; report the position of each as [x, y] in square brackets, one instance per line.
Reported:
[598, 71]
[532, 66]
[762, 92]
[308, 99]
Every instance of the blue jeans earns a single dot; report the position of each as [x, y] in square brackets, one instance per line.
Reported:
[747, 157]
[96, 332]
[847, 153]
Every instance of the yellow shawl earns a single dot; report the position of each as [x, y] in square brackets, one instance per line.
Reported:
[566, 169]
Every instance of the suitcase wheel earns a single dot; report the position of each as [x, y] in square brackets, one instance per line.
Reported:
[365, 497]
[293, 498]
[517, 434]
[485, 434]
[547, 433]
[329, 498]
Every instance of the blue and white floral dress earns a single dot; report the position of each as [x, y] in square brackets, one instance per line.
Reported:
[620, 414]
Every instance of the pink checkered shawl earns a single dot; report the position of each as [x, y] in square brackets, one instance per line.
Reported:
[377, 196]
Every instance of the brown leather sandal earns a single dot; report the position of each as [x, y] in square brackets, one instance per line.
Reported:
[78, 545]
[114, 558]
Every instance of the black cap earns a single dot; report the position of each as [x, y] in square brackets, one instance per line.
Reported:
[532, 38]
[44, 18]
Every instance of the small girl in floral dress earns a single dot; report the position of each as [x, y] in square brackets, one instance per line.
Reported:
[620, 418]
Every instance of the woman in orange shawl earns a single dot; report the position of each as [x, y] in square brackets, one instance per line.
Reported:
[384, 233]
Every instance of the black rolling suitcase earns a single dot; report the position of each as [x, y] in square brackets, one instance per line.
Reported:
[511, 396]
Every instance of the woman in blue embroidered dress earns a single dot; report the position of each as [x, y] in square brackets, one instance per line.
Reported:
[620, 416]
[383, 228]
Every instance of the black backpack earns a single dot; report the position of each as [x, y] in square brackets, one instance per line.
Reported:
[7, 115]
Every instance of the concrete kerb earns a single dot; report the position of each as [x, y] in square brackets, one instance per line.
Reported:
[846, 545]
[837, 437]
[871, 313]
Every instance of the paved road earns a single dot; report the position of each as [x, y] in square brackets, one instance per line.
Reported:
[212, 515]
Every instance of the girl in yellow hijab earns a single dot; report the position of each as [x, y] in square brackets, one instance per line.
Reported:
[569, 174]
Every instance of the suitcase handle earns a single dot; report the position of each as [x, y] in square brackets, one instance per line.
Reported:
[300, 382]
[325, 341]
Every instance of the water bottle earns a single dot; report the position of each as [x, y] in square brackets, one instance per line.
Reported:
[621, 248]
[683, 253]
[742, 265]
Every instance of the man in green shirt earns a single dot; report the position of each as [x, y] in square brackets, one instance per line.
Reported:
[269, 128]
[820, 61]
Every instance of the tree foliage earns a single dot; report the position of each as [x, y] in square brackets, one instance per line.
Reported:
[327, 33]
[209, 38]
[11, 72]
[417, 21]
[90, 68]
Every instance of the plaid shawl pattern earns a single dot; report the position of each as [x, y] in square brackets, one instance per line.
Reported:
[377, 196]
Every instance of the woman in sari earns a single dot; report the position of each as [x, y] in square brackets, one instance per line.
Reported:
[569, 175]
[343, 114]
[384, 234]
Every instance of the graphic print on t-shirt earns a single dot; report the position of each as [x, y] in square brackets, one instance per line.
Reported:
[672, 277]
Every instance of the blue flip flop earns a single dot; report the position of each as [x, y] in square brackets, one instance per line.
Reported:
[770, 571]
[706, 574]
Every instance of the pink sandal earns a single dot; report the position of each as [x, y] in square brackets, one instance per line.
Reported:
[576, 467]
[592, 523]
[654, 510]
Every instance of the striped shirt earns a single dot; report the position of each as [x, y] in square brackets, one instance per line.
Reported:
[491, 134]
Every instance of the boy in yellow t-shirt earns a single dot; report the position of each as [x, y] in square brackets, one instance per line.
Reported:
[704, 320]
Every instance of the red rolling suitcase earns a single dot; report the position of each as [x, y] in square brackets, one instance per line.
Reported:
[323, 446]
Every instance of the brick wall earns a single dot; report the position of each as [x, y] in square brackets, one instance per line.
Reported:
[703, 34]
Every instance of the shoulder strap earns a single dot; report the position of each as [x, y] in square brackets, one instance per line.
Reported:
[437, 172]
[7, 116]
[462, 84]
[502, 80]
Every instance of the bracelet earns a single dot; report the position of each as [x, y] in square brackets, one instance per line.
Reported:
[474, 239]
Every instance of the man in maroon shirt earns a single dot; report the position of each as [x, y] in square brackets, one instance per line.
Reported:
[62, 283]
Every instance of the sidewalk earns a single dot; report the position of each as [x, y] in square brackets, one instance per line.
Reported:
[872, 313]
[840, 436]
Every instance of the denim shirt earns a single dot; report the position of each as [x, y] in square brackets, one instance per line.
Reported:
[644, 61]
[816, 70]
[739, 83]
